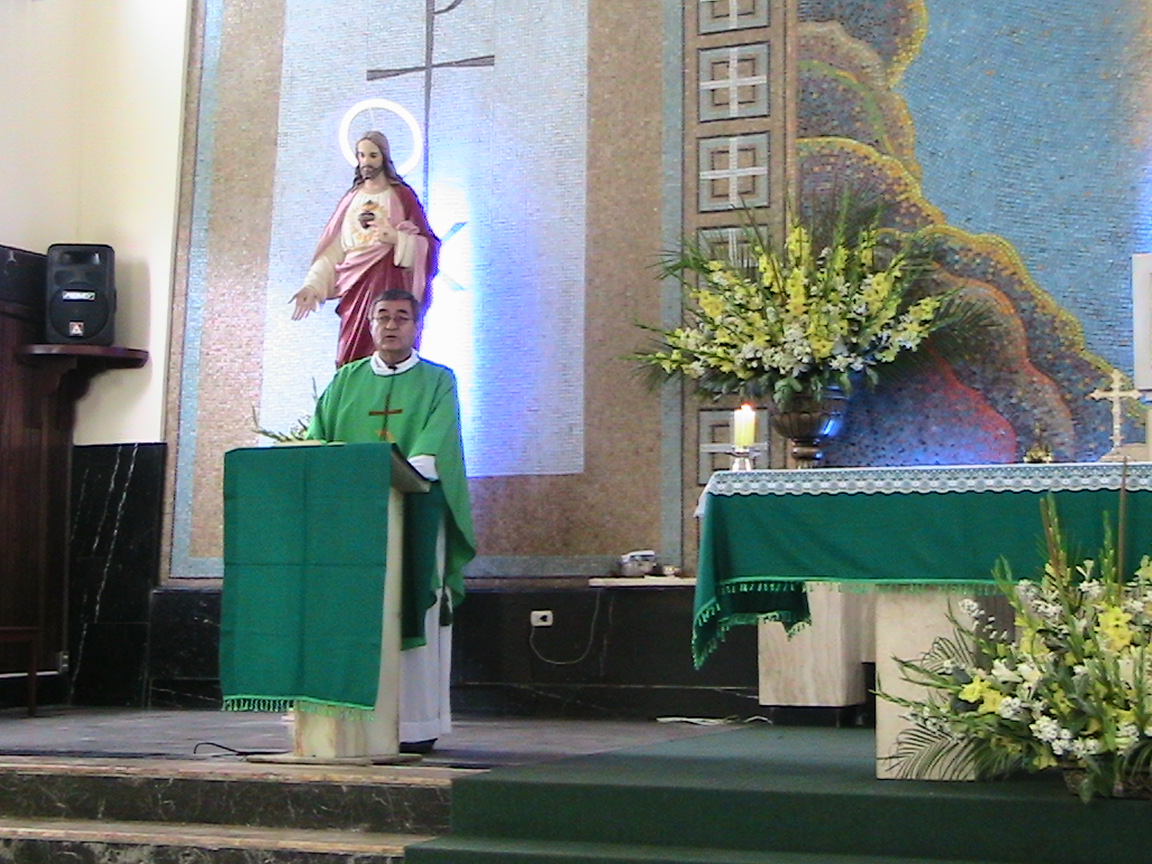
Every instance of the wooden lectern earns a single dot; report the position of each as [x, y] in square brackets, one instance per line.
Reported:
[313, 565]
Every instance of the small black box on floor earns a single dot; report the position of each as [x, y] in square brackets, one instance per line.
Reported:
[80, 299]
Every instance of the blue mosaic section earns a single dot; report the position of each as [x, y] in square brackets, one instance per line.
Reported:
[1018, 136]
[1031, 121]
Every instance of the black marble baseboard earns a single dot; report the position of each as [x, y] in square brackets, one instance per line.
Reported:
[631, 648]
[117, 500]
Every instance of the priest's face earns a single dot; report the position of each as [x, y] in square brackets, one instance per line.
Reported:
[393, 330]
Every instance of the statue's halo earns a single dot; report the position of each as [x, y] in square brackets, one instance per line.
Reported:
[400, 111]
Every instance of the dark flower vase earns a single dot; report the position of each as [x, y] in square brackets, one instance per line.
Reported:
[808, 421]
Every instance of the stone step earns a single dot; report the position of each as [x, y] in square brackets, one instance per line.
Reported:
[113, 842]
[404, 799]
[487, 850]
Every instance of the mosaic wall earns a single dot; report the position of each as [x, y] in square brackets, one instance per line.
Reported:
[1018, 136]
[462, 90]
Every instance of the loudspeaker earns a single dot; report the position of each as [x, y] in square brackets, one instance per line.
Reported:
[80, 304]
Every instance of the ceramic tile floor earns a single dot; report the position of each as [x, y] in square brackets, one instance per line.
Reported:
[474, 741]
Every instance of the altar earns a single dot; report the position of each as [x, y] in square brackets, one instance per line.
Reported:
[913, 538]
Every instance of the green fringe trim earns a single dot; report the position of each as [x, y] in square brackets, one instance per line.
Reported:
[703, 646]
[855, 586]
[709, 628]
[261, 704]
[283, 704]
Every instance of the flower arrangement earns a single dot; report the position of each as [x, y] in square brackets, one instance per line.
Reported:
[1073, 689]
[833, 303]
[298, 431]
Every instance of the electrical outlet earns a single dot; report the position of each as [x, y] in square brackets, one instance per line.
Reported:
[540, 618]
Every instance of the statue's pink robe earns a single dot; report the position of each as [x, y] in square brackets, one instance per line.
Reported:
[364, 274]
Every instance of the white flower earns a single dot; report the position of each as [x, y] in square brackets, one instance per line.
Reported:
[1127, 736]
[1091, 588]
[1029, 672]
[1011, 708]
[1082, 747]
[1045, 729]
[1003, 674]
[1048, 731]
[970, 608]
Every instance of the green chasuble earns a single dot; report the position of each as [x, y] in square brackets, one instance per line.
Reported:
[418, 410]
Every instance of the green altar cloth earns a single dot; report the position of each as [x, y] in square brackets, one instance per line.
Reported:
[305, 552]
[766, 533]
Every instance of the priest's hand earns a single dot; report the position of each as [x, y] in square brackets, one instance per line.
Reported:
[308, 299]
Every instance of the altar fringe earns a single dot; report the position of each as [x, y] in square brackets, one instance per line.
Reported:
[858, 586]
[710, 626]
[281, 705]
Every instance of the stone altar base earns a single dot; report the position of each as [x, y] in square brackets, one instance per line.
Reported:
[821, 665]
[907, 622]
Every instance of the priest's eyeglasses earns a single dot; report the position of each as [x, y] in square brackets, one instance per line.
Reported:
[394, 320]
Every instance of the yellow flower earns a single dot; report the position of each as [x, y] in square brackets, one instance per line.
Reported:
[971, 692]
[1112, 625]
[799, 246]
[797, 286]
[979, 690]
[991, 703]
[710, 304]
[1061, 702]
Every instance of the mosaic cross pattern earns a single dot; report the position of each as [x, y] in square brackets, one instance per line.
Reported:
[716, 16]
[733, 172]
[734, 82]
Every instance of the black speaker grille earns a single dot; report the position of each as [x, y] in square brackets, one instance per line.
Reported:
[81, 294]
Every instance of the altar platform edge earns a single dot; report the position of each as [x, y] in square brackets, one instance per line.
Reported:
[557, 791]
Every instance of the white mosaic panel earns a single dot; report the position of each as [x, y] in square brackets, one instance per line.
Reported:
[507, 201]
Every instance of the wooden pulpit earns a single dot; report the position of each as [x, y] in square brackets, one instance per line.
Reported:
[312, 598]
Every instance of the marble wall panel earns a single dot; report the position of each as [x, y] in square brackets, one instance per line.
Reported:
[114, 564]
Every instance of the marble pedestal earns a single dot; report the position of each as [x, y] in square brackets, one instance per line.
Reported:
[822, 664]
[907, 622]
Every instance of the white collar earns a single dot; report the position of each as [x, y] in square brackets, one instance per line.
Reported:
[382, 368]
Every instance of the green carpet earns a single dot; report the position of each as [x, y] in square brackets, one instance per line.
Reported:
[770, 794]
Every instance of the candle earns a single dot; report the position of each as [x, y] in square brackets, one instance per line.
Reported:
[744, 426]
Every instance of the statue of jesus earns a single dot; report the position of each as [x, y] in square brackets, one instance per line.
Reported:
[378, 239]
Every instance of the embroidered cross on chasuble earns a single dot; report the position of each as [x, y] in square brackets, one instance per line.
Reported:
[384, 434]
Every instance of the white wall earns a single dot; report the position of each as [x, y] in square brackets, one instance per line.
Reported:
[91, 104]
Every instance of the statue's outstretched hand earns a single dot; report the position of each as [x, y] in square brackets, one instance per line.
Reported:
[308, 300]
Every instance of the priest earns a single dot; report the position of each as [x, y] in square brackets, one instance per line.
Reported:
[395, 396]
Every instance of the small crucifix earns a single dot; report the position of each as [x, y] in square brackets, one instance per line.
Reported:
[383, 433]
[1116, 396]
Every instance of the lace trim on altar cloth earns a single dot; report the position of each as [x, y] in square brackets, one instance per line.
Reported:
[1054, 477]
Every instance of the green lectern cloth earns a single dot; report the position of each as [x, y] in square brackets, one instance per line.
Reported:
[766, 533]
[305, 551]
